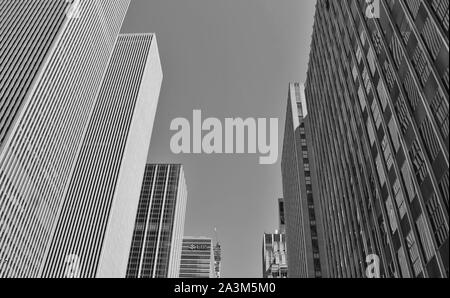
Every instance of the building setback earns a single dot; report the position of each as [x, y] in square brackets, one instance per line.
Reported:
[377, 94]
[159, 224]
[55, 63]
[302, 215]
[197, 259]
[95, 225]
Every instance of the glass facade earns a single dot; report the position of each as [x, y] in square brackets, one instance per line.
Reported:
[377, 94]
[156, 245]
[217, 260]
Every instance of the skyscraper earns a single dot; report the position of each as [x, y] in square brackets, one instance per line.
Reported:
[197, 260]
[55, 63]
[377, 94]
[95, 225]
[275, 263]
[302, 215]
[159, 226]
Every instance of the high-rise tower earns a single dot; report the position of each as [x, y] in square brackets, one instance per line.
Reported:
[377, 94]
[93, 233]
[159, 224]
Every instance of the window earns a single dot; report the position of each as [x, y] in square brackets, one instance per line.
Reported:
[387, 153]
[399, 198]
[376, 114]
[425, 238]
[407, 179]
[439, 105]
[437, 220]
[403, 263]
[391, 215]
[429, 139]
[380, 170]
[382, 94]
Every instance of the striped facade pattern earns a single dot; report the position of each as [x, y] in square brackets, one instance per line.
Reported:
[301, 213]
[38, 156]
[377, 92]
[197, 258]
[158, 233]
[29, 29]
[80, 230]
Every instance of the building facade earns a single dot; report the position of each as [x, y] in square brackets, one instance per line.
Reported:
[156, 245]
[302, 215]
[95, 225]
[275, 259]
[217, 260]
[56, 61]
[377, 94]
[197, 258]
[281, 217]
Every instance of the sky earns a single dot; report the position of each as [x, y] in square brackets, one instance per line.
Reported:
[229, 59]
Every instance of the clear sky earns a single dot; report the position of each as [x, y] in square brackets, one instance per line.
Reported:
[228, 58]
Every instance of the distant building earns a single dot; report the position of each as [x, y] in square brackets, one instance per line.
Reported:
[159, 228]
[274, 256]
[302, 214]
[197, 259]
[92, 235]
[281, 216]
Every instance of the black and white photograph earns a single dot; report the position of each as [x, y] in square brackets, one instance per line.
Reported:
[224, 147]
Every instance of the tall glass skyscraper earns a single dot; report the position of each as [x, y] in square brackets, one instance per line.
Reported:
[159, 224]
[377, 94]
[197, 259]
[54, 63]
[93, 232]
[302, 215]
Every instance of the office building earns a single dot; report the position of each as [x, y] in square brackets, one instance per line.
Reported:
[93, 233]
[302, 215]
[197, 258]
[156, 246]
[55, 62]
[377, 94]
[275, 259]
[281, 217]
[217, 259]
